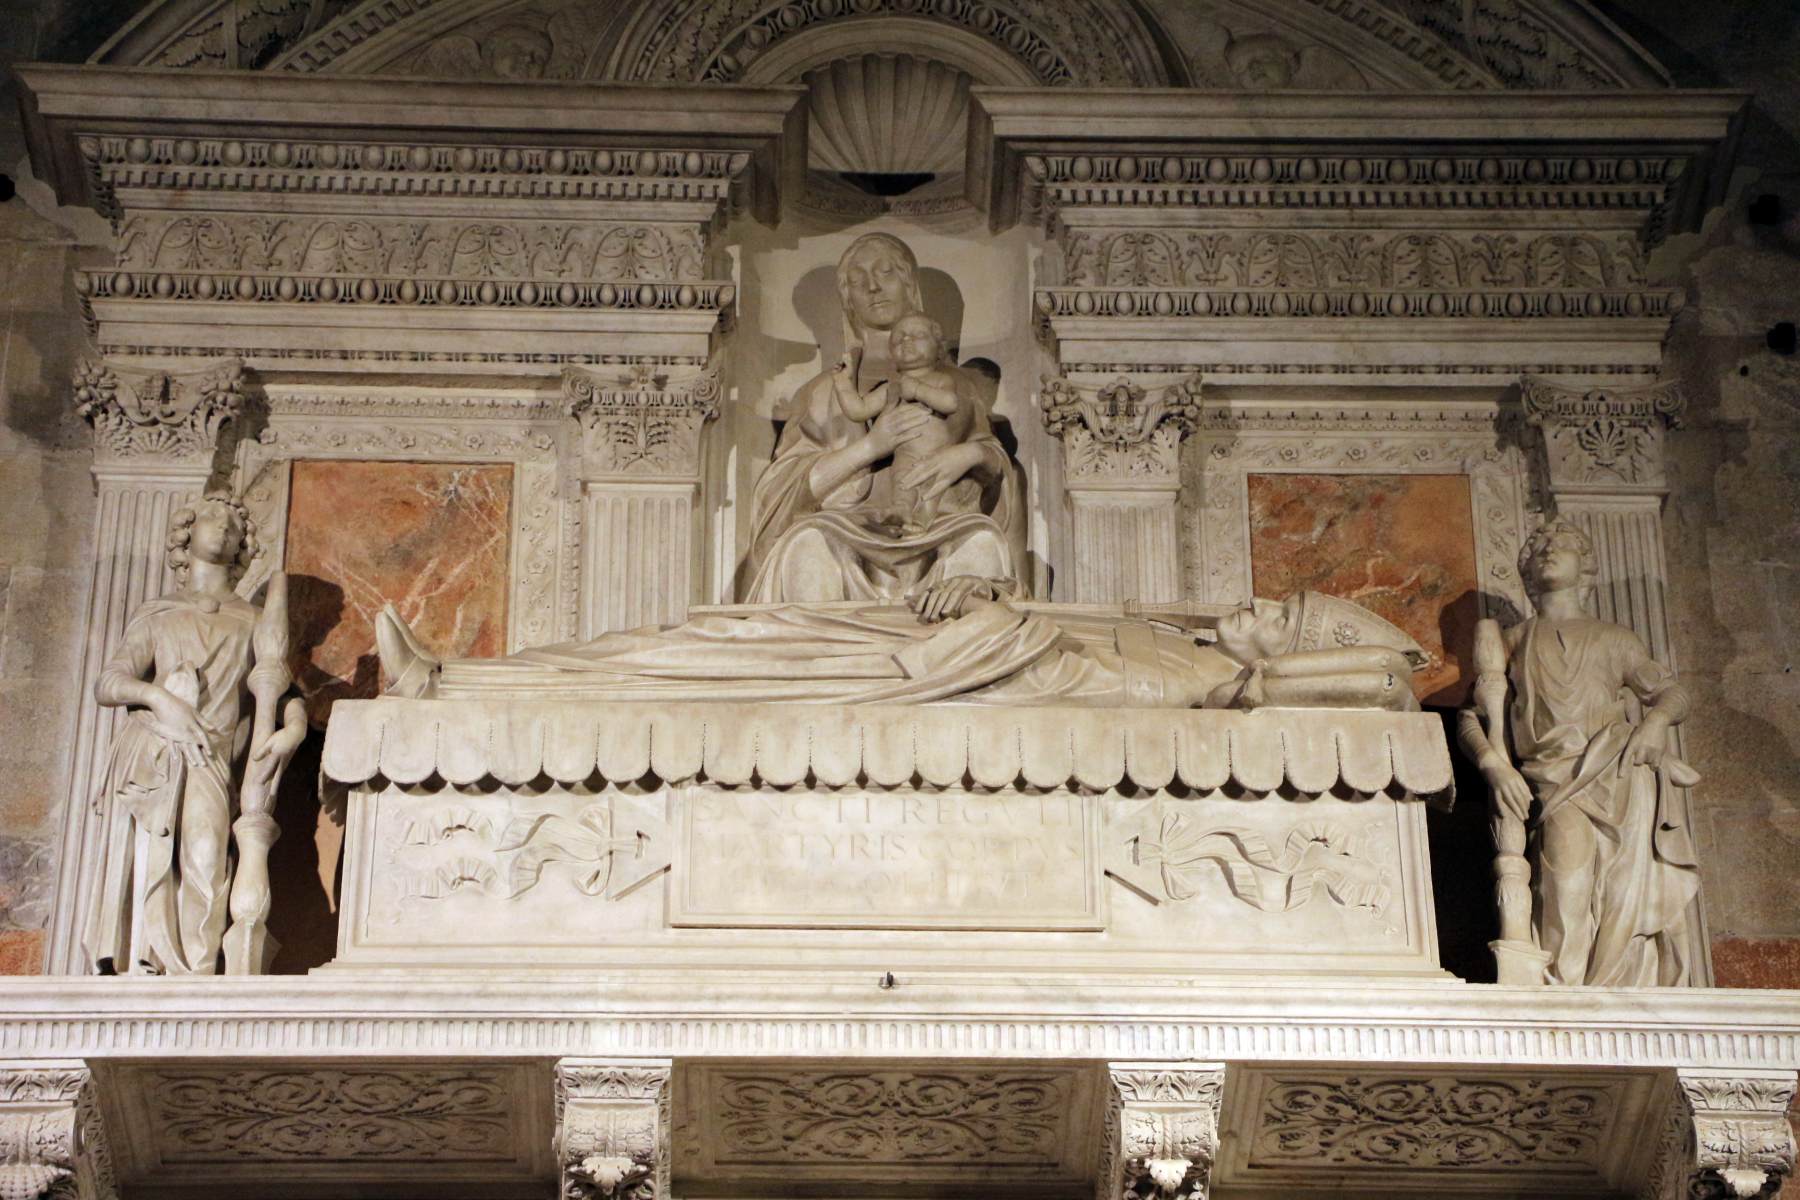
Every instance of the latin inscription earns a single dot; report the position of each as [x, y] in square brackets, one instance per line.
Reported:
[868, 860]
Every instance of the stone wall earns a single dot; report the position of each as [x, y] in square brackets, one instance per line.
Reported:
[46, 508]
[1733, 518]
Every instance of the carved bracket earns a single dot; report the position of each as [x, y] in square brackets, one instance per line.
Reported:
[641, 427]
[51, 1141]
[612, 1128]
[158, 418]
[1119, 434]
[1605, 440]
[1162, 1130]
[1742, 1144]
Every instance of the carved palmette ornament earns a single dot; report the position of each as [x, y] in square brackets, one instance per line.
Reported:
[1604, 438]
[641, 426]
[612, 1134]
[161, 415]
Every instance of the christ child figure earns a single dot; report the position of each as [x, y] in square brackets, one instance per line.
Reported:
[922, 379]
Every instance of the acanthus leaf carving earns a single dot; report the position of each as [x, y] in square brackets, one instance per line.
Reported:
[612, 1129]
[51, 1139]
[171, 416]
[1118, 432]
[1743, 1145]
[1161, 1130]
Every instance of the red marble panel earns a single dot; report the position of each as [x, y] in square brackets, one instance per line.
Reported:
[430, 538]
[1740, 962]
[1402, 546]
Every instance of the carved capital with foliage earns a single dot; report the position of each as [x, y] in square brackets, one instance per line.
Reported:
[50, 1137]
[156, 418]
[612, 1128]
[1743, 1145]
[1121, 433]
[643, 426]
[1606, 440]
[1162, 1130]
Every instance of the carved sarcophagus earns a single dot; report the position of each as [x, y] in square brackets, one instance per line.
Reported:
[1049, 840]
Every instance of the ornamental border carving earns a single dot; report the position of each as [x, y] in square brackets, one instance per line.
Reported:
[1238, 438]
[431, 425]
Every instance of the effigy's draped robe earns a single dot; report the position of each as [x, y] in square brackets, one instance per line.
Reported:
[1570, 730]
[876, 655]
[183, 808]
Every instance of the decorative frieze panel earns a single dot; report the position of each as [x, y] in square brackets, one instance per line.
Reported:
[612, 1129]
[480, 223]
[1015, 1127]
[1526, 1132]
[382, 1123]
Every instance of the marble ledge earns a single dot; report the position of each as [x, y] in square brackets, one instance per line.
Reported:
[846, 1015]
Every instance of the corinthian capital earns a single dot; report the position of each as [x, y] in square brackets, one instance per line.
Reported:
[641, 426]
[1604, 439]
[51, 1142]
[153, 417]
[1162, 1130]
[612, 1131]
[1120, 433]
[1742, 1139]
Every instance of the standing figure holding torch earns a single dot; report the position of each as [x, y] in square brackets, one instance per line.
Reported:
[1595, 869]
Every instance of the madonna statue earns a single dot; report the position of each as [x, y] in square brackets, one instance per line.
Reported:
[823, 513]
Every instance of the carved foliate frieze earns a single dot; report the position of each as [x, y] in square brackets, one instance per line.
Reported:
[1604, 439]
[612, 1129]
[1161, 1131]
[643, 426]
[546, 251]
[366, 1114]
[1424, 1122]
[1120, 432]
[162, 417]
[1012, 1118]
[1743, 1145]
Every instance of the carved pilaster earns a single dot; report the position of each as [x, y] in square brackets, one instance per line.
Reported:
[51, 1139]
[612, 1128]
[1727, 1136]
[1122, 472]
[156, 435]
[639, 461]
[1162, 1130]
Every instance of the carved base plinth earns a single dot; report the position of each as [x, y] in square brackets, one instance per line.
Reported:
[1520, 964]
